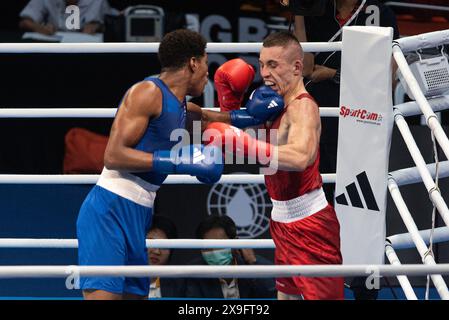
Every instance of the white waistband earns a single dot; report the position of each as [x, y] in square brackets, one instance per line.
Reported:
[128, 186]
[300, 207]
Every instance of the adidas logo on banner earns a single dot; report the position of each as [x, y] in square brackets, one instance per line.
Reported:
[354, 196]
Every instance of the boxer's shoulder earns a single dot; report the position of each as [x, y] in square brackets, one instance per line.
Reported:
[144, 96]
[301, 109]
[303, 103]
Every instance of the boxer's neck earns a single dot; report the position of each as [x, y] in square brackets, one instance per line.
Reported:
[294, 92]
[177, 82]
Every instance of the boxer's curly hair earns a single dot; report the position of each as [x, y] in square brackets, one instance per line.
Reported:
[177, 47]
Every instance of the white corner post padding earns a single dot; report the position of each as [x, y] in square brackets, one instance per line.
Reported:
[364, 137]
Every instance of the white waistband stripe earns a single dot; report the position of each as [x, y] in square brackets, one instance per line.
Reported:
[128, 186]
[300, 207]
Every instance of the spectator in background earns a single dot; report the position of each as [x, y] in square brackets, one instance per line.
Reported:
[223, 227]
[163, 228]
[49, 16]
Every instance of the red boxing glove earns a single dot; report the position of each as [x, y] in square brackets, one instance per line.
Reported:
[238, 142]
[231, 80]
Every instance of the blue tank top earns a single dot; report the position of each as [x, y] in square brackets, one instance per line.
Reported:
[157, 134]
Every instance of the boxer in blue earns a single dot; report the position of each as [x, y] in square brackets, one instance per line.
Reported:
[116, 214]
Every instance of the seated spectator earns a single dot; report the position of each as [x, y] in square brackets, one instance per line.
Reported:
[163, 228]
[223, 227]
[49, 16]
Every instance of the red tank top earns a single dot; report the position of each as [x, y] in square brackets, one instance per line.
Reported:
[286, 185]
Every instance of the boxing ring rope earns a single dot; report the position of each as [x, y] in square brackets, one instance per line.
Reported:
[98, 112]
[424, 40]
[405, 240]
[411, 108]
[421, 172]
[189, 271]
[153, 243]
[430, 116]
[403, 280]
[420, 244]
[433, 190]
[152, 47]
[171, 179]
[412, 175]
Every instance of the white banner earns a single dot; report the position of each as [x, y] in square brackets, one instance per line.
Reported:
[364, 136]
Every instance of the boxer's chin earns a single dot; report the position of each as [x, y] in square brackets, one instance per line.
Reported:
[272, 85]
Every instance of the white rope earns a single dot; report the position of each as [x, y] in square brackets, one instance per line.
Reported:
[416, 5]
[405, 240]
[140, 47]
[58, 112]
[154, 243]
[431, 118]
[200, 271]
[97, 112]
[403, 280]
[424, 40]
[412, 175]
[171, 179]
[410, 224]
[434, 193]
[412, 108]
[430, 247]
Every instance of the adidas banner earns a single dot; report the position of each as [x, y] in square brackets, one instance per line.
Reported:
[365, 127]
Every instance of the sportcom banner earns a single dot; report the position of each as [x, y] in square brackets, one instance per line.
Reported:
[365, 128]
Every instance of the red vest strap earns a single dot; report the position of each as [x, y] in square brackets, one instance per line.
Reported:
[305, 95]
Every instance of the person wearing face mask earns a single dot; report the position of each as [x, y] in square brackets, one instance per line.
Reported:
[163, 228]
[223, 227]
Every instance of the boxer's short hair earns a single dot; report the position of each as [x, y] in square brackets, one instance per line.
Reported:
[280, 39]
[179, 46]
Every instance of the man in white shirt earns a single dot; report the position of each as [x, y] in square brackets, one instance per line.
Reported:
[49, 16]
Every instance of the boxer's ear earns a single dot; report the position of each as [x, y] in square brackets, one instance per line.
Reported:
[298, 67]
[193, 64]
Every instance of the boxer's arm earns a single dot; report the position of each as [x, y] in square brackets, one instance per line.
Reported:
[263, 105]
[141, 103]
[207, 116]
[303, 120]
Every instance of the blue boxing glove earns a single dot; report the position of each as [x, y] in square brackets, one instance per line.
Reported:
[263, 105]
[203, 162]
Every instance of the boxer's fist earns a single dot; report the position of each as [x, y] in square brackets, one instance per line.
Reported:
[263, 105]
[231, 80]
[203, 162]
[239, 142]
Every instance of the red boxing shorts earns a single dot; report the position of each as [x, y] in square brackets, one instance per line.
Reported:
[312, 240]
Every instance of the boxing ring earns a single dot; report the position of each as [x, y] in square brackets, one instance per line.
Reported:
[422, 172]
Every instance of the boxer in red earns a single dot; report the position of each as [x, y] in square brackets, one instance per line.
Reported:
[303, 224]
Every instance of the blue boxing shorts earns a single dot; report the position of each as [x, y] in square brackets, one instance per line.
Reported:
[112, 225]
